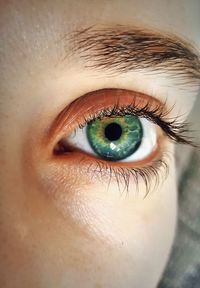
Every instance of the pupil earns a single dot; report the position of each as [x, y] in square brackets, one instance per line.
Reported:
[113, 131]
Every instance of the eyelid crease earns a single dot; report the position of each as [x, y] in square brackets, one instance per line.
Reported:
[93, 101]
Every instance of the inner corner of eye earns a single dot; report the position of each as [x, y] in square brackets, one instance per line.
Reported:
[61, 147]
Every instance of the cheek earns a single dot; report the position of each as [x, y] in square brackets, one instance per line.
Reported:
[106, 231]
[137, 233]
[92, 234]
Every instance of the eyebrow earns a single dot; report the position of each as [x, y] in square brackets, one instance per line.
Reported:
[121, 49]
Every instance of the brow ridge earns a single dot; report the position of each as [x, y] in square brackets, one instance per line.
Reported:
[120, 49]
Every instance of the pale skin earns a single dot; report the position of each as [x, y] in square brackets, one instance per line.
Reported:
[88, 235]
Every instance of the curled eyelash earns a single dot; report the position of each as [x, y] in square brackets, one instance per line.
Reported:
[176, 131]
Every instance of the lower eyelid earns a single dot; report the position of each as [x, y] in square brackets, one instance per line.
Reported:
[150, 171]
[88, 169]
[86, 159]
[67, 173]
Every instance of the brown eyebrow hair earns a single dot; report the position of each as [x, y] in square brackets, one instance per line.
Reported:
[120, 49]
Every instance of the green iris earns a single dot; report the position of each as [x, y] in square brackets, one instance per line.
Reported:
[115, 138]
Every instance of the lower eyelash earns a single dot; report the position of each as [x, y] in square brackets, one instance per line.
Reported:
[149, 175]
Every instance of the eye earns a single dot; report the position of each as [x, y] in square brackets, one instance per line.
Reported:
[126, 138]
[118, 133]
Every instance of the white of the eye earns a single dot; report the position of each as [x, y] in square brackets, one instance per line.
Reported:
[79, 140]
[149, 141]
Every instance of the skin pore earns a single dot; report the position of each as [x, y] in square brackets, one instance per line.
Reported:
[60, 225]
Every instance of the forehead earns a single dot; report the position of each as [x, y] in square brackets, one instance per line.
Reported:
[179, 16]
[31, 30]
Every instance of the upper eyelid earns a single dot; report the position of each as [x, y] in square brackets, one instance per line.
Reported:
[79, 105]
[157, 114]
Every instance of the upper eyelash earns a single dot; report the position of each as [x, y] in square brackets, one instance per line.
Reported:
[175, 130]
